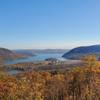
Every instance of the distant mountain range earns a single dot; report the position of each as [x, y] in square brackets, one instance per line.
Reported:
[75, 53]
[79, 52]
[33, 52]
[25, 52]
[13, 54]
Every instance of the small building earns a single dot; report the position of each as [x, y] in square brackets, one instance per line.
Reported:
[53, 61]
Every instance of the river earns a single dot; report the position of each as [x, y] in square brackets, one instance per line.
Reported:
[38, 57]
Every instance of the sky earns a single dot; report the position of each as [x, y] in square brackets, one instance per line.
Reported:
[39, 24]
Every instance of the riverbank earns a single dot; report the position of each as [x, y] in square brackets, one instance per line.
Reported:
[39, 66]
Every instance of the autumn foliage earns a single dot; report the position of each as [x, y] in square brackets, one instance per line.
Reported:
[80, 83]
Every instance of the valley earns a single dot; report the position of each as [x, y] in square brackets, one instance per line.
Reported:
[49, 76]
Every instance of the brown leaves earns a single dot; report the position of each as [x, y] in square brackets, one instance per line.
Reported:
[81, 83]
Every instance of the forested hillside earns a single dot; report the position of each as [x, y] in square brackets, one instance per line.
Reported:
[79, 52]
[6, 54]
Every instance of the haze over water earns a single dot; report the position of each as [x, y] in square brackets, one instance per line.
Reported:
[37, 58]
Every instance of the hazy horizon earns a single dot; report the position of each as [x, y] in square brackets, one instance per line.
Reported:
[53, 24]
[48, 48]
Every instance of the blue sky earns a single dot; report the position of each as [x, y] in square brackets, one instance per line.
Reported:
[49, 23]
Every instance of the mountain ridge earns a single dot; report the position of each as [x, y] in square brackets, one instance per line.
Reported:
[81, 51]
[6, 54]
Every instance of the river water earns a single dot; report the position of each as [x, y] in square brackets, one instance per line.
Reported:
[38, 57]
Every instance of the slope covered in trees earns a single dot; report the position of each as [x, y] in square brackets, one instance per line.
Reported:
[79, 52]
[8, 54]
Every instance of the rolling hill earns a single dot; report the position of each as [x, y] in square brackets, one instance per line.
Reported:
[79, 52]
[8, 54]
